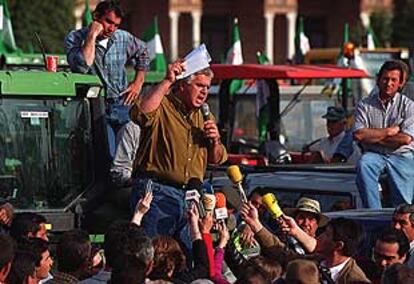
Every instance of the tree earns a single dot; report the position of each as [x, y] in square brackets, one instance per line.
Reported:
[402, 22]
[51, 19]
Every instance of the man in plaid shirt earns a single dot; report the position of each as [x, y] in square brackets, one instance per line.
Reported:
[104, 50]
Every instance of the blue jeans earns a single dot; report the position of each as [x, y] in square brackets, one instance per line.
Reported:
[167, 214]
[117, 115]
[400, 177]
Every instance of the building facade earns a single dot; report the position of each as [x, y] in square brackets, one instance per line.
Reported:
[265, 25]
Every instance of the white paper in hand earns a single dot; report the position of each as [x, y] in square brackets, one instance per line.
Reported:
[196, 60]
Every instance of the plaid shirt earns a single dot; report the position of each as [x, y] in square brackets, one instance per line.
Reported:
[109, 62]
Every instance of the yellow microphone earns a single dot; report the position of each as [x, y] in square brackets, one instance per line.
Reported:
[270, 202]
[236, 177]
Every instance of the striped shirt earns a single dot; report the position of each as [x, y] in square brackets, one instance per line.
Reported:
[110, 61]
[372, 113]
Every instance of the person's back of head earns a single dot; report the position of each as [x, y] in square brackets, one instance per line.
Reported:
[73, 252]
[253, 274]
[126, 239]
[349, 232]
[26, 225]
[7, 248]
[398, 274]
[269, 265]
[139, 245]
[23, 269]
[301, 271]
[169, 258]
[132, 270]
[115, 239]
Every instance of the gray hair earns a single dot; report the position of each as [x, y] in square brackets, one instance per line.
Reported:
[145, 252]
[206, 71]
[406, 208]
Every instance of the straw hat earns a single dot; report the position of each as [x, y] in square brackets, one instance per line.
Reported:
[309, 205]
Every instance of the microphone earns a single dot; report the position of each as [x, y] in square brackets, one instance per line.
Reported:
[271, 204]
[209, 201]
[208, 188]
[221, 209]
[205, 110]
[194, 195]
[236, 177]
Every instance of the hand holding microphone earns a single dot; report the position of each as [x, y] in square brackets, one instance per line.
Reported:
[194, 196]
[271, 204]
[211, 131]
[250, 215]
[205, 110]
[234, 174]
[287, 224]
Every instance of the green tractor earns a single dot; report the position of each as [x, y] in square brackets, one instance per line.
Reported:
[54, 157]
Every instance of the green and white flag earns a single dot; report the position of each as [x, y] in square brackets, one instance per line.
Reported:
[154, 46]
[302, 45]
[87, 15]
[262, 106]
[235, 55]
[371, 39]
[333, 86]
[7, 41]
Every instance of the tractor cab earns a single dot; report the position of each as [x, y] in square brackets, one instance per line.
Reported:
[284, 108]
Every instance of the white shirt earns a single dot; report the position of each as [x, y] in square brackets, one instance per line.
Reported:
[104, 42]
[410, 255]
[329, 146]
[335, 270]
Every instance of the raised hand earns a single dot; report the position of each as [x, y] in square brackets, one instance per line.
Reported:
[142, 208]
[174, 69]
[224, 235]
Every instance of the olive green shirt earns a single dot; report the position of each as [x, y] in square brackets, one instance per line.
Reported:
[172, 145]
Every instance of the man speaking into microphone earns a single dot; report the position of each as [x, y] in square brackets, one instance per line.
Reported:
[176, 144]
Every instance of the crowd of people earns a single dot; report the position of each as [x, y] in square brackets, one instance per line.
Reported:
[162, 142]
[301, 246]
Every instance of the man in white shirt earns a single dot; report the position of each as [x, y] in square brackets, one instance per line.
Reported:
[326, 147]
[403, 220]
[336, 245]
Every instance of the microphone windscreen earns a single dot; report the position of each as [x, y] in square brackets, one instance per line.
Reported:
[195, 183]
[270, 201]
[205, 110]
[234, 174]
[208, 188]
[231, 222]
[220, 200]
[209, 201]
